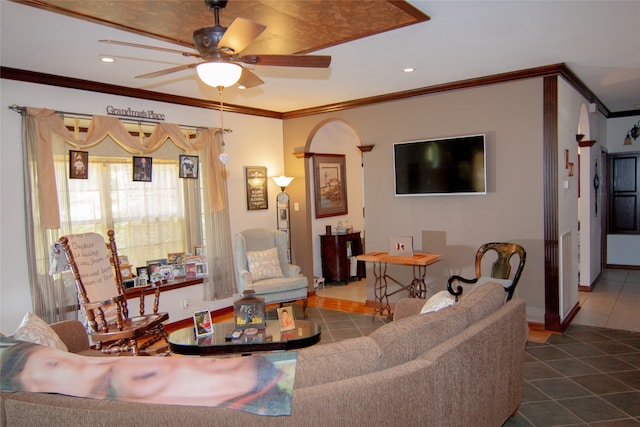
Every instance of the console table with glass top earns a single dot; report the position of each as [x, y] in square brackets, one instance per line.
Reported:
[184, 341]
[417, 288]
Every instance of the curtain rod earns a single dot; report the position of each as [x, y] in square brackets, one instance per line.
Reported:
[23, 110]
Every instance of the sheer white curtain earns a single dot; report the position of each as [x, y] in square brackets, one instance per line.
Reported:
[150, 219]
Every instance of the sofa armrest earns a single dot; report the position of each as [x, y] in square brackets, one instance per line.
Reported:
[406, 307]
[73, 334]
[291, 270]
[246, 280]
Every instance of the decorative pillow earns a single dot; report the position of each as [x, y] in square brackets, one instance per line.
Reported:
[440, 300]
[34, 329]
[264, 264]
[485, 279]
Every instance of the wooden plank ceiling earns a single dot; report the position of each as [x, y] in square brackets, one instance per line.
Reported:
[293, 26]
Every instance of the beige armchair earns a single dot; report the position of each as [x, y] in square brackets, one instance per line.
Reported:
[263, 266]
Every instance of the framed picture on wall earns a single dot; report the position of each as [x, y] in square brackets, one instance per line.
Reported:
[142, 168]
[330, 184]
[189, 166]
[256, 179]
[78, 164]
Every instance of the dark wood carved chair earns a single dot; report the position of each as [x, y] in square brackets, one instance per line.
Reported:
[96, 270]
[500, 269]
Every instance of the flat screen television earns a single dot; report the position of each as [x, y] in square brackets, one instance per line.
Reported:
[444, 166]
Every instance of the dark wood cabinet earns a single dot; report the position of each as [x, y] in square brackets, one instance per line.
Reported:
[336, 251]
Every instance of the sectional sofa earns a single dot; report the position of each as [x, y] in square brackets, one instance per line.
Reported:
[459, 366]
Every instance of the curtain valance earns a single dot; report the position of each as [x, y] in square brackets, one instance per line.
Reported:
[48, 123]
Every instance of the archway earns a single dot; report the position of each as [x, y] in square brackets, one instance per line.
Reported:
[335, 136]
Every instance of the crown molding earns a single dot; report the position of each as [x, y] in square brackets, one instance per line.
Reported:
[544, 71]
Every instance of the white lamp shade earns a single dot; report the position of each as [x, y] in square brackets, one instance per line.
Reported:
[219, 74]
[283, 181]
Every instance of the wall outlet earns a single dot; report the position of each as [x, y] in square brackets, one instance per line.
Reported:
[185, 303]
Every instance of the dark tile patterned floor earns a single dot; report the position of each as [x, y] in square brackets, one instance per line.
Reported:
[587, 376]
[339, 325]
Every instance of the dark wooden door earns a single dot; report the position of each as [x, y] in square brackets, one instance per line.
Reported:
[624, 194]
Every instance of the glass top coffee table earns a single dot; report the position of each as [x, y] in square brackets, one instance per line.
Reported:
[184, 341]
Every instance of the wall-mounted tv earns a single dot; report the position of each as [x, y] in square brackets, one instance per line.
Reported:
[444, 166]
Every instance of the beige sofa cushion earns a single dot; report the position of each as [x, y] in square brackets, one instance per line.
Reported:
[325, 363]
[483, 301]
[404, 339]
[34, 329]
[264, 264]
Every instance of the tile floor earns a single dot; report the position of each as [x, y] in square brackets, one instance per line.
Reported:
[588, 376]
[613, 303]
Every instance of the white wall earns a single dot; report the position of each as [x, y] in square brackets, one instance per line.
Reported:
[570, 104]
[622, 249]
[510, 115]
[255, 141]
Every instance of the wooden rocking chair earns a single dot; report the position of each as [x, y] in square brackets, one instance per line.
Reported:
[96, 270]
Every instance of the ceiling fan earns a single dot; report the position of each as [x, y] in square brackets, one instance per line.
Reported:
[220, 48]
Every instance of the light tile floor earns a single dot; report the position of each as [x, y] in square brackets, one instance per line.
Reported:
[353, 291]
[614, 302]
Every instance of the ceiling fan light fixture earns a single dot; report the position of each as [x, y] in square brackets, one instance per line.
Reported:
[219, 74]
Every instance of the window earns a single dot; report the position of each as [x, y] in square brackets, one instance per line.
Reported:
[152, 214]
[147, 217]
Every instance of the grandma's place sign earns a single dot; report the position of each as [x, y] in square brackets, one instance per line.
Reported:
[137, 114]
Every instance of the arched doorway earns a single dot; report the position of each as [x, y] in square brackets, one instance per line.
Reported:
[335, 136]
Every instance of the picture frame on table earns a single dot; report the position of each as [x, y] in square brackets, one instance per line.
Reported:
[199, 250]
[167, 272]
[330, 185]
[78, 164]
[190, 270]
[202, 269]
[142, 272]
[286, 318]
[142, 168]
[155, 275]
[179, 271]
[202, 323]
[175, 258]
[126, 271]
[401, 246]
[189, 166]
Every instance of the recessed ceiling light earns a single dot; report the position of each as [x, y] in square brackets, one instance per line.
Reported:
[241, 87]
[107, 59]
[408, 70]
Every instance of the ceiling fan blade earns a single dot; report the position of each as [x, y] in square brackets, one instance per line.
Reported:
[144, 46]
[239, 35]
[249, 79]
[166, 71]
[314, 61]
